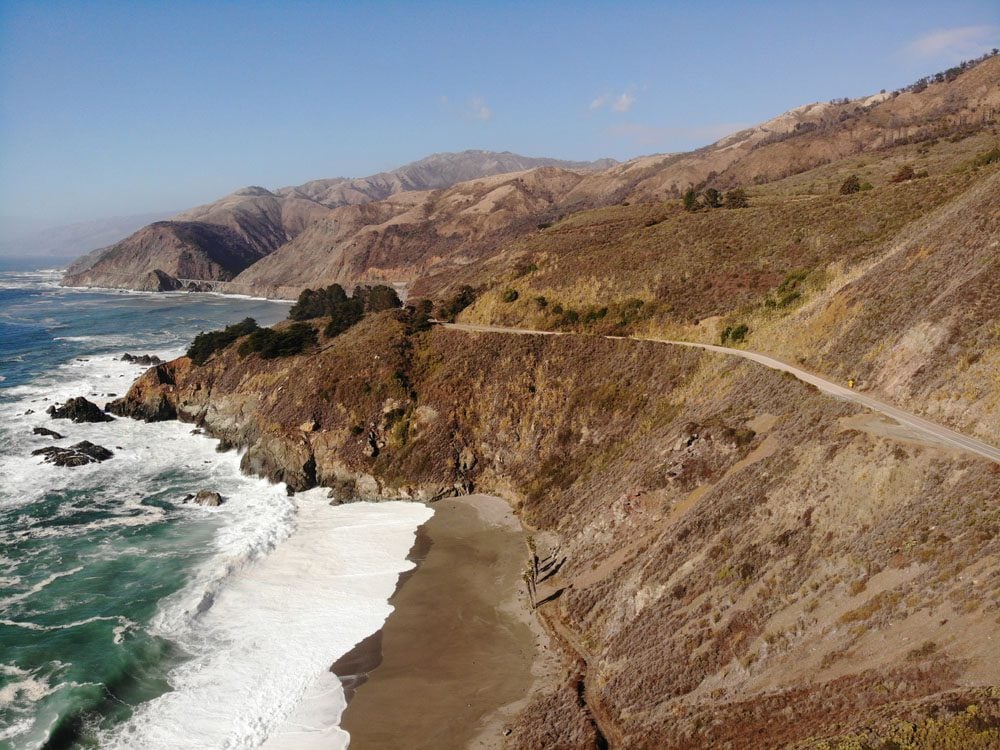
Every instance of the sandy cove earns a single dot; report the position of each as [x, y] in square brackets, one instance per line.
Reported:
[462, 650]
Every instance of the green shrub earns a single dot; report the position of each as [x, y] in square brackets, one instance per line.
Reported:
[317, 303]
[343, 311]
[713, 198]
[271, 343]
[851, 185]
[904, 174]
[450, 308]
[418, 316]
[737, 199]
[735, 334]
[207, 344]
[691, 199]
[343, 316]
[510, 295]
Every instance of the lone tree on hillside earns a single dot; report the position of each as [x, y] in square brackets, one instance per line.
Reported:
[737, 198]
[851, 185]
[690, 199]
[713, 198]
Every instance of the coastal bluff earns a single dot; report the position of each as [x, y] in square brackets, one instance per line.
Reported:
[717, 557]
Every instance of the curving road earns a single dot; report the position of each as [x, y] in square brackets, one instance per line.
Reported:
[936, 432]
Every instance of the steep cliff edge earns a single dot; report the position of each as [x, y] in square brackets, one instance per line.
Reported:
[728, 557]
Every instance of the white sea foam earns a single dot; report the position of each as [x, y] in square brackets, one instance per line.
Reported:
[6, 602]
[288, 585]
[267, 641]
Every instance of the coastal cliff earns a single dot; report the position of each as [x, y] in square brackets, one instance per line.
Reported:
[725, 555]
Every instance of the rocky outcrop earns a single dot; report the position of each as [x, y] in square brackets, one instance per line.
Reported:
[208, 498]
[78, 409]
[80, 454]
[149, 398]
[46, 432]
[143, 359]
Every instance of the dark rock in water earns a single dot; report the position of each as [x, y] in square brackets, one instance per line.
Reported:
[147, 360]
[46, 431]
[79, 409]
[80, 454]
[30, 411]
[188, 497]
[207, 497]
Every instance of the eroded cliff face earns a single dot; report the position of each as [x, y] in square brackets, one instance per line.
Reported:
[727, 557]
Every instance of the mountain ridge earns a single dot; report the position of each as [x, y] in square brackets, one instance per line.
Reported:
[317, 225]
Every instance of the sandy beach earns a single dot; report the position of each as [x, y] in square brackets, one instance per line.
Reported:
[460, 651]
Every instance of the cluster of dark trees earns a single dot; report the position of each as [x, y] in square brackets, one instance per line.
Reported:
[207, 344]
[342, 310]
[270, 343]
[267, 342]
[712, 198]
[451, 307]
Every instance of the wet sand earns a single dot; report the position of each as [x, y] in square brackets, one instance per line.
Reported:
[457, 654]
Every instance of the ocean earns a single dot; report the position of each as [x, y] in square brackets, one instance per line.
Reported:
[130, 619]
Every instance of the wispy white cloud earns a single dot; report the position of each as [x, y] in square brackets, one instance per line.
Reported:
[477, 109]
[615, 102]
[598, 103]
[955, 44]
[653, 135]
[624, 102]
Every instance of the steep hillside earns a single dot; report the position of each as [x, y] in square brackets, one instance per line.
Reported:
[405, 237]
[815, 134]
[318, 225]
[727, 558]
[894, 288]
[156, 256]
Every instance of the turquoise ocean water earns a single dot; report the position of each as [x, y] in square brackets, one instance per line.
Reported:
[100, 565]
[131, 620]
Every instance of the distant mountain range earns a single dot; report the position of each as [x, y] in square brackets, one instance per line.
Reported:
[440, 214]
[216, 241]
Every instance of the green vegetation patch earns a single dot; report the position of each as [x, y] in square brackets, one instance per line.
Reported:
[207, 344]
[342, 310]
[272, 343]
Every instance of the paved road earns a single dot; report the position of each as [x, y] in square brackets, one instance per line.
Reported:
[935, 431]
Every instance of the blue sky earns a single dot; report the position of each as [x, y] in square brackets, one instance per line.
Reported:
[119, 108]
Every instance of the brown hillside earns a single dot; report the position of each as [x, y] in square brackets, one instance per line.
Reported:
[744, 563]
[171, 250]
